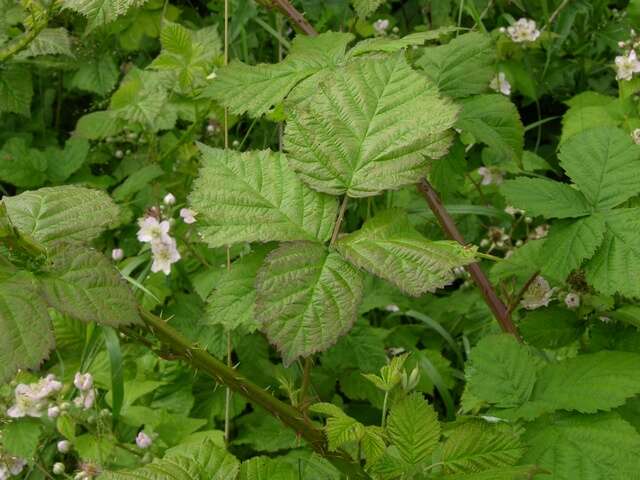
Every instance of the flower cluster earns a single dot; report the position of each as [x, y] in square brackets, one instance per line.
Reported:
[500, 84]
[10, 466]
[380, 26]
[524, 30]
[33, 400]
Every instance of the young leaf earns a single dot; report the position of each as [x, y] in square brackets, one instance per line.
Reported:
[307, 298]
[373, 445]
[462, 67]
[603, 162]
[369, 128]
[548, 198]
[255, 89]
[255, 197]
[388, 246]
[501, 371]
[414, 429]
[495, 121]
[25, 328]
[476, 446]
[84, 285]
[69, 213]
[265, 468]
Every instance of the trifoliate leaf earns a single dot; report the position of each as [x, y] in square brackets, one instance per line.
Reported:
[16, 90]
[232, 302]
[307, 298]
[495, 121]
[462, 67]
[594, 447]
[545, 197]
[101, 12]
[616, 264]
[84, 285]
[369, 128]
[603, 162]
[256, 197]
[414, 429]
[475, 446]
[551, 327]
[265, 468]
[25, 328]
[69, 213]
[501, 371]
[570, 243]
[388, 246]
[255, 89]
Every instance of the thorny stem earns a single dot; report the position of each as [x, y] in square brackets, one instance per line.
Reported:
[447, 224]
[289, 11]
[336, 227]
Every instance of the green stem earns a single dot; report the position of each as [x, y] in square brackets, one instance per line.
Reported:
[384, 409]
[487, 256]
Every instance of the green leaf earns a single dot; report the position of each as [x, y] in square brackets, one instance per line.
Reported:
[616, 264]
[551, 327]
[594, 446]
[522, 472]
[67, 162]
[231, 304]
[97, 125]
[571, 242]
[342, 430]
[22, 166]
[462, 67]
[589, 110]
[172, 468]
[603, 163]
[495, 121]
[263, 432]
[84, 285]
[101, 12]
[373, 446]
[265, 468]
[475, 446]
[20, 438]
[215, 462]
[50, 41]
[255, 89]
[413, 429]
[98, 74]
[137, 181]
[548, 198]
[390, 44]
[61, 213]
[25, 328]
[16, 90]
[307, 298]
[364, 8]
[501, 371]
[388, 246]
[255, 197]
[368, 128]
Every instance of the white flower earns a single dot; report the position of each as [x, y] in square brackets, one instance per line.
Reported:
[4, 472]
[169, 199]
[538, 294]
[604, 319]
[53, 411]
[58, 468]
[501, 84]
[188, 215]
[164, 255]
[117, 254]
[86, 399]
[627, 65]
[83, 382]
[490, 176]
[539, 232]
[152, 230]
[513, 211]
[636, 136]
[143, 440]
[31, 400]
[392, 308]
[572, 300]
[524, 30]
[381, 25]
[12, 466]
[64, 446]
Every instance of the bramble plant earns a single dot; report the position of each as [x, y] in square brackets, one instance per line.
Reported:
[357, 240]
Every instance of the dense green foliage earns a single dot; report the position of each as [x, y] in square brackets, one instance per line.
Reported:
[215, 262]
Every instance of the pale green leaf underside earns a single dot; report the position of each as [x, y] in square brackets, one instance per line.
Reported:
[589, 447]
[83, 284]
[265, 468]
[341, 430]
[388, 246]
[256, 197]
[101, 12]
[501, 371]
[389, 44]
[255, 89]
[548, 198]
[25, 329]
[571, 242]
[69, 213]
[232, 302]
[414, 429]
[495, 121]
[462, 67]
[370, 127]
[615, 267]
[307, 298]
[475, 446]
[604, 163]
[51, 41]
